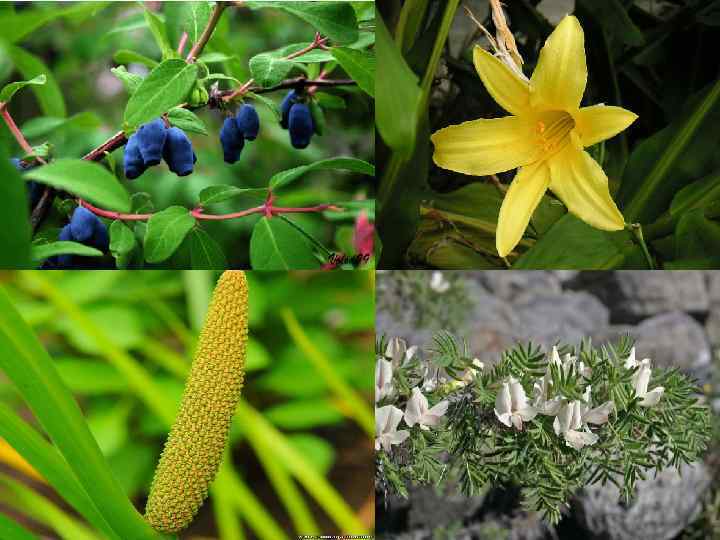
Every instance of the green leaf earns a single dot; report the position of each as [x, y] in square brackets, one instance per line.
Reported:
[699, 194]
[275, 245]
[9, 90]
[42, 126]
[205, 252]
[46, 460]
[190, 17]
[303, 414]
[319, 453]
[165, 87]
[573, 244]
[122, 243]
[399, 95]
[222, 77]
[43, 251]
[157, 28]
[15, 231]
[130, 81]
[216, 194]
[268, 69]
[696, 237]
[215, 57]
[330, 101]
[49, 95]
[335, 20]
[126, 56]
[284, 178]
[13, 531]
[90, 378]
[269, 103]
[166, 230]
[360, 65]
[614, 18]
[85, 179]
[647, 183]
[18, 25]
[29, 367]
[186, 120]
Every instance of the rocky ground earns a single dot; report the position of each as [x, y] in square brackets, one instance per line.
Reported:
[675, 318]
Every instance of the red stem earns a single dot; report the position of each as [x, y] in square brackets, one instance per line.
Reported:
[12, 126]
[183, 41]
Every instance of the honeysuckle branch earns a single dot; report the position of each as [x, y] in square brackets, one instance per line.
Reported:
[268, 209]
[182, 43]
[317, 43]
[207, 32]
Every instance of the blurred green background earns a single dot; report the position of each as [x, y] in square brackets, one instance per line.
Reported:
[77, 46]
[306, 328]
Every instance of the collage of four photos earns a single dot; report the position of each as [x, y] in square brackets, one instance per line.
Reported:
[394, 269]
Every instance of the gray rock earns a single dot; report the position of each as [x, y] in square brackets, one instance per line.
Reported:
[431, 508]
[663, 506]
[633, 295]
[712, 326]
[713, 286]
[569, 317]
[493, 328]
[508, 285]
[675, 340]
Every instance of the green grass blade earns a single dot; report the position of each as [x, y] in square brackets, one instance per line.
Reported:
[46, 460]
[256, 426]
[9, 530]
[285, 488]
[359, 410]
[654, 180]
[26, 501]
[29, 367]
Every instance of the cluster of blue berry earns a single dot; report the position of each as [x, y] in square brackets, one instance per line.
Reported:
[297, 119]
[154, 141]
[244, 125]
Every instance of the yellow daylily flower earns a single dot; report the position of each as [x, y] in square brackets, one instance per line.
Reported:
[544, 138]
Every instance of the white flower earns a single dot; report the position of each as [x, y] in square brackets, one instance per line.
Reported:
[383, 379]
[573, 419]
[541, 389]
[630, 361]
[640, 381]
[417, 411]
[387, 419]
[398, 351]
[438, 283]
[511, 405]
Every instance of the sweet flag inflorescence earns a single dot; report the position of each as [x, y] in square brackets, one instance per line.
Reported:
[544, 138]
[195, 446]
[549, 424]
[155, 141]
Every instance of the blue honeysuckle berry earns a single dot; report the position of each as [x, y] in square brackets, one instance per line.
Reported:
[34, 190]
[83, 224]
[290, 99]
[65, 236]
[151, 139]
[232, 140]
[132, 159]
[300, 125]
[17, 164]
[178, 152]
[248, 121]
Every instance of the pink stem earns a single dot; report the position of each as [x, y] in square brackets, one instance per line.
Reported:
[22, 141]
[183, 41]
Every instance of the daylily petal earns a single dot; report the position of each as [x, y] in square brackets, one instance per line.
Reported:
[487, 146]
[505, 87]
[559, 79]
[598, 123]
[581, 184]
[525, 193]
[652, 397]
[578, 439]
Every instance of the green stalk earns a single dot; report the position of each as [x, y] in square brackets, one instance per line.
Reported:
[198, 289]
[9, 530]
[653, 181]
[359, 410]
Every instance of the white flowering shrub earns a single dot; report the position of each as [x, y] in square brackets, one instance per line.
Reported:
[546, 422]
